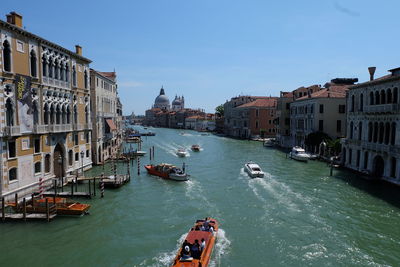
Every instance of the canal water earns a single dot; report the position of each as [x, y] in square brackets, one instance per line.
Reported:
[297, 215]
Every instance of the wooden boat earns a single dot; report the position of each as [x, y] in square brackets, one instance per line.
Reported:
[202, 259]
[196, 148]
[133, 140]
[181, 153]
[63, 206]
[167, 171]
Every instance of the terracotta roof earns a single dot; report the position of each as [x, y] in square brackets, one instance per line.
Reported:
[111, 124]
[382, 79]
[334, 91]
[261, 103]
[110, 75]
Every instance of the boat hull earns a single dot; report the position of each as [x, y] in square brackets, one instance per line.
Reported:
[151, 170]
[298, 158]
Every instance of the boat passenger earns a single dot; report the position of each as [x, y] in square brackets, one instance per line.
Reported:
[211, 230]
[195, 250]
[203, 244]
[186, 253]
[202, 228]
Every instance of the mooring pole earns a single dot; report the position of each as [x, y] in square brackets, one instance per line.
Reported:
[3, 209]
[24, 208]
[47, 210]
[331, 172]
[90, 188]
[94, 186]
[72, 187]
[138, 165]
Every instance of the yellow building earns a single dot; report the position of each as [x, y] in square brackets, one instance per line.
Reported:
[45, 111]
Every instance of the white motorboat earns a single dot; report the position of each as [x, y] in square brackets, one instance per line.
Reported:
[299, 154]
[181, 153]
[253, 170]
[139, 153]
[269, 142]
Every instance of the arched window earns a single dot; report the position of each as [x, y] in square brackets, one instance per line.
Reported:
[365, 159]
[389, 96]
[68, 115]
[377, 98]
[33, 64]
[12, 174]
[46, 114]
[393, 134]
[44, 66]
[393, 164]
[47, 163]
[376, 132]
[58, 115]
[395, 95]
[381, 132]
[351, 130]
[360, 130]
[56, 70]
[51, 68]
[383, 97]
[38, 167]
[371, 98]
[52, 112]
[75, 115]
[86, 115]
[387, 132]
[9, 113]
[70, 157]
[7, 56]
[63, 115]
[35, 113]
[66, 72]
[62, 72]
[73, 76]
[361, 107]
[352, 103]
[86, 79]
[370, 130]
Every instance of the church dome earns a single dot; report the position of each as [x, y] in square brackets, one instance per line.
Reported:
[176, 102]
[161, 100]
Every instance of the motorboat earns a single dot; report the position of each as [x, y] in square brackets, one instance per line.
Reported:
[167, 171]
[206, 229]
[269, 142]
[139, 153]
[299, 154]
[181, 153]
[253, 170]
[196, 148]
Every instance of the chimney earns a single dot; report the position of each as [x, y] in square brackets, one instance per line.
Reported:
[371, 73]
[15, 19]
[78, 50]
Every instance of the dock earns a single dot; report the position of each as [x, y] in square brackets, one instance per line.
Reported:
[49, 214]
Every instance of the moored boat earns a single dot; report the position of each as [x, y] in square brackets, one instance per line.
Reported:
[198, 256]
[299, 154]
[139, 153]
[269, 142]
[167, 171]
[196, 148]
[253, 170]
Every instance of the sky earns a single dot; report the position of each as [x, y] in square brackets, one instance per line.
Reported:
[212, 50]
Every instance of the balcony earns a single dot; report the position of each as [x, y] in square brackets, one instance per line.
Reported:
[59, 128]
[39, 129]
[12, 131]
[385, 108]
[77, 127]
[381, 147]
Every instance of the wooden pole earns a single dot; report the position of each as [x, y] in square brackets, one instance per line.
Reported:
[138, 165]
[331, 171]
[47, 210]
[3, 209]
[62, 183]
[72, 187]
[24, 208]
[55, 191]
[153, 153]
[16, 201]
[94, 186]
[90, 188]
[76, 183]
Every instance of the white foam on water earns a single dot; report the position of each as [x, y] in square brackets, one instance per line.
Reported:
[166, 258]
[221, 248]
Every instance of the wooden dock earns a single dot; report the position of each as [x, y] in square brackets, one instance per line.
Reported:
[67, 194]
[49, 214]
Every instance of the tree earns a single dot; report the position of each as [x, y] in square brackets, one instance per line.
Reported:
[335, 146]
[220, 110]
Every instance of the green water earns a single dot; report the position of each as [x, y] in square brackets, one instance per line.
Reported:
[296, 216]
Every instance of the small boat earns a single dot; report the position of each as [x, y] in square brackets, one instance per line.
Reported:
[269, 142]
[167, 171]
[196, 148]
[133, 140]
[299, 154]
[253, 170]
[181, 153]
[63, 206]
[139, 153]
[204, 134]
[206, 229]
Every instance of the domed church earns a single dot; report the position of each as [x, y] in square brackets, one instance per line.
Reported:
[178, 103]
[161, 101]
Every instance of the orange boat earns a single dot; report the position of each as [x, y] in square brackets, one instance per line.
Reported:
[167, 171]
[63, 207]
[201, 230]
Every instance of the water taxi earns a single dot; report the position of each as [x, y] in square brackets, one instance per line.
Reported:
[181, 153]
[167, 171]
[299, 154]
[203, 229]
[253, 170]
[195, 148]
[269, 142]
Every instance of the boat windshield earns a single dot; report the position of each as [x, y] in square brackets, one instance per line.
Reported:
[256, 169]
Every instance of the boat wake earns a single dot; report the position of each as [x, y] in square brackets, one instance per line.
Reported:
[166, 258]
[221, 248]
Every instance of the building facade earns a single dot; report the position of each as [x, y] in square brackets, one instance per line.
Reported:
[106, 116]
[372, 143]
[45, 122]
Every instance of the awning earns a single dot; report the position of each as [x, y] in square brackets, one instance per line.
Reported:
[111, 124]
